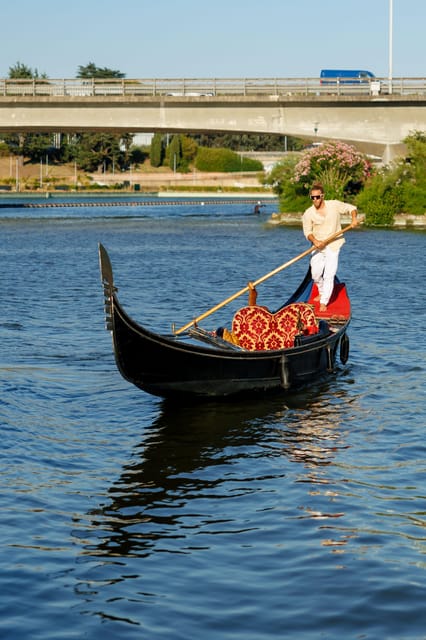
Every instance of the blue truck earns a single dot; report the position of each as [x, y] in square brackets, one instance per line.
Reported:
[345, 76]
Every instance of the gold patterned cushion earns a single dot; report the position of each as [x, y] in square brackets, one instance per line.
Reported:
[257, 329]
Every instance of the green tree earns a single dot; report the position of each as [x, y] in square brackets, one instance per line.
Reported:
[175, 153]
[39, 146]
[20, 144]
[189, 149]
[138, 155]
[101, 151]
[91, 70]
[157, 150]
[180, 153]
[249, 141]
[20, 71]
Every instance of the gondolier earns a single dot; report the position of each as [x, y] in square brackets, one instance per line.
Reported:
[320, 220]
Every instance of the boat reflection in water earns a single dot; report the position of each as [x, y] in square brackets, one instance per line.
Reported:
[199, 470]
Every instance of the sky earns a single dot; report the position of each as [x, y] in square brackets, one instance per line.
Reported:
[214, 38]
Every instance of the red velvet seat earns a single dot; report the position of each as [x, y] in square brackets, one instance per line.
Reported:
[257, 329]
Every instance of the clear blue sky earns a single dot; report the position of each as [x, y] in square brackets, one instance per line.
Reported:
[213, 38]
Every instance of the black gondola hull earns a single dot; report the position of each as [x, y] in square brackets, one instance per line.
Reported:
[167, 367]
[170, 366]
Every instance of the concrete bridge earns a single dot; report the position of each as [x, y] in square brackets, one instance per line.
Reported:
[375, 116]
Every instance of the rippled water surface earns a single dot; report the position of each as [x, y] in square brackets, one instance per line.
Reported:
[124, 516]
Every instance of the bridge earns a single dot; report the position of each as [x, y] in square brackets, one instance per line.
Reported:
[375, 115]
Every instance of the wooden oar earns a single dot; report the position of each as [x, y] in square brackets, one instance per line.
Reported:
[262, 279]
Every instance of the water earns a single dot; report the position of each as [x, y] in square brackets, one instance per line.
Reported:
[125, 516]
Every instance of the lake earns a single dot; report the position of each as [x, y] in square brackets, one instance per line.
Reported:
[126, 516]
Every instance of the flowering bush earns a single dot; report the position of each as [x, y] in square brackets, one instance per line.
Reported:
[335, 164]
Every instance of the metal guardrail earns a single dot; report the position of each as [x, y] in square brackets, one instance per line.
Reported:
[210, 87]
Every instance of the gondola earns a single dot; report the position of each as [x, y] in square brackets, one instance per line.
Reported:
[197, 363]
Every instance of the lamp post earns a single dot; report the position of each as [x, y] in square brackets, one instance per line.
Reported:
[390, 44]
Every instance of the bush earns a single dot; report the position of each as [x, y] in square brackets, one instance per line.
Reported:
[336, 165]
[380, 200]
[250, 164]
[292, 196]
[414, 197]
[4, 150]
[412, 173]
[224, 160]
[399, 188]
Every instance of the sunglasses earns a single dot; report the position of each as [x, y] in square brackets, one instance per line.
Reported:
[316, 197]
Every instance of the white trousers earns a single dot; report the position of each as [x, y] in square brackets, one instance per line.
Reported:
[323, 268]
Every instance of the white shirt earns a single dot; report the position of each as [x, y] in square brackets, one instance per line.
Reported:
[324, 222]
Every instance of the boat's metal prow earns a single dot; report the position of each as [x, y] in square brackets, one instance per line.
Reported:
[105, 265]
[107, 280]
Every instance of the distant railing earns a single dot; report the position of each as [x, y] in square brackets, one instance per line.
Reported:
[210, 87]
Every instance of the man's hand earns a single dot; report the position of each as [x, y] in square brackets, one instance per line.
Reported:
[319, 245]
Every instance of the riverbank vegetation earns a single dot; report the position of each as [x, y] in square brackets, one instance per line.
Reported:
[398, 188]
[380, 193]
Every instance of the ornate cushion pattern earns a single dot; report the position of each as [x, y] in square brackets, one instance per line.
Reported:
[257, 329]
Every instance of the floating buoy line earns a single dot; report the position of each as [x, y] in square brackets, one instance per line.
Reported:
[142, 203]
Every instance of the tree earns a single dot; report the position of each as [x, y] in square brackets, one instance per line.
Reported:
[189, 149]
[157, 150]
[249, 141]
[181, 152]
[93, 71]
[33, 145]
[95, 151]
[21, 71]
[175, 153]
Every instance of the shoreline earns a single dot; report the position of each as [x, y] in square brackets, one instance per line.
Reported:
[401, 221]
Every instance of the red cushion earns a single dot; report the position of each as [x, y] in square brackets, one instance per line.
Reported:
[257, 329]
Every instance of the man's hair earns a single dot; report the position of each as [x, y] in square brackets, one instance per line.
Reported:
[317, 186]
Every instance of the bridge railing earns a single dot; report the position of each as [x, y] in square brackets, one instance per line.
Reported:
[209, 87]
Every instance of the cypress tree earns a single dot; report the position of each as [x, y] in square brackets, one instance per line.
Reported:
[157, 150]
